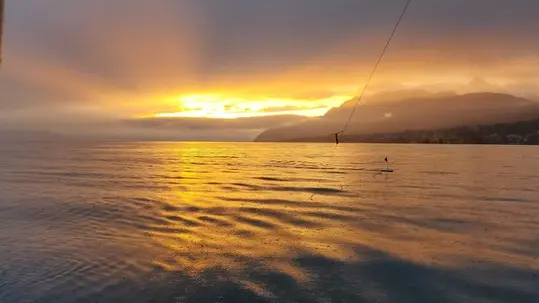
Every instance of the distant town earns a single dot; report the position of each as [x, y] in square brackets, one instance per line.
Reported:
[518, 133]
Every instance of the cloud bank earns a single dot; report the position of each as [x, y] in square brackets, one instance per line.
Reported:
[68, 64]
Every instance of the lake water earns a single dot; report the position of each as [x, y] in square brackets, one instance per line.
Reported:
[230, 222]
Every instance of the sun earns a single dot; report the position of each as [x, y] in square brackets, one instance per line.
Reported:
[219, 106]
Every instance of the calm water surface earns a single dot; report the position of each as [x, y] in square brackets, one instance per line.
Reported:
[214, 222]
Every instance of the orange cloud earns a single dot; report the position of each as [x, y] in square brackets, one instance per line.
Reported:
[169, 59]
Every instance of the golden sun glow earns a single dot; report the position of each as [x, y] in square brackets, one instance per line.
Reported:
[225, 107]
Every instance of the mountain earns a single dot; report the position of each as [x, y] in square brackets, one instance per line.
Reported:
[521, 133]
[409, 111]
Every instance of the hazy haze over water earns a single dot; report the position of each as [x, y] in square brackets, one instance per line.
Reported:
[227, 222]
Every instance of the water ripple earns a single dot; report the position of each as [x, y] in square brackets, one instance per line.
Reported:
[201, 222]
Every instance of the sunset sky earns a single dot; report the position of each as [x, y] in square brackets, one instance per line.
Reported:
[82, 65]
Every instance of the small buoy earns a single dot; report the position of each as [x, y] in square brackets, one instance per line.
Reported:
[387, 170]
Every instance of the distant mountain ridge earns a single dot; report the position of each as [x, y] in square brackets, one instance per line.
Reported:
[521, 133]
[410, 111]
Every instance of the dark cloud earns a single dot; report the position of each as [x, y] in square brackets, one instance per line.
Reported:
[251, 123]
[192, 129]
[245, 36]
[252, 35]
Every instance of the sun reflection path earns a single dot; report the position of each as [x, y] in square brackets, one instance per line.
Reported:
[201, 229]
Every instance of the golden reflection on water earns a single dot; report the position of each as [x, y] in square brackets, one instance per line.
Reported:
[218, 222]
[231, 206]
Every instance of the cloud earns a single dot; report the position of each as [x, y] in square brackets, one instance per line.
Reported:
[251, 123]
[128, 58]
[181, 129]
[290, 108]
